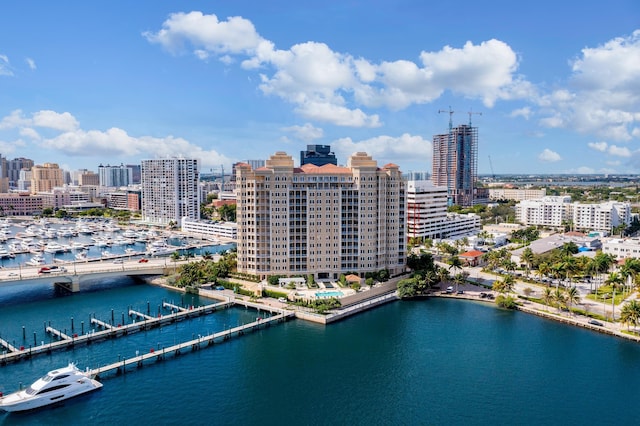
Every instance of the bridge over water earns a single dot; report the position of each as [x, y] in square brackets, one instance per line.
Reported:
[70, 276]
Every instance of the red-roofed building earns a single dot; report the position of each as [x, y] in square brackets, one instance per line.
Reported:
[472, 257]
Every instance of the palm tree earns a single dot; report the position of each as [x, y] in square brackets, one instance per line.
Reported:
[629, 270]
[544, 269]
[459, 278]
[443, 274]
[559, 298]
[547, 296]
[175, 256]
[527, 257]
[630, 313]
[508, 283]
[572, 297]
[615, 280]
[455, 263]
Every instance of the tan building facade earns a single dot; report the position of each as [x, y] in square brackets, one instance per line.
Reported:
[46, 177]
[321, 220]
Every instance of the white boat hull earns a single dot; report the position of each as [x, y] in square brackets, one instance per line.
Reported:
[20, 401]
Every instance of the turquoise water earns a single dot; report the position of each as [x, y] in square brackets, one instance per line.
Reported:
[327, 294]
[439, 362]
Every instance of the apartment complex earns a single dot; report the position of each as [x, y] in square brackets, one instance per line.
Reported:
[114, 176]
[555, 211]
[320, 220]
[622, 248]
[516, 194]
[455, 163]
[46, 177]
[170, 190]
[427, 215]
[23, 204]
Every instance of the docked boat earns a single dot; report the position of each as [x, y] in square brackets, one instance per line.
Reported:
[55, 386]
[36, 260]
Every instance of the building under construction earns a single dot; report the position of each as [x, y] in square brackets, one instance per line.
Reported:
[455, 163]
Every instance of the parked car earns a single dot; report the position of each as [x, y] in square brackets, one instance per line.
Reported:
[220, 288]
[118, 261]
[44, 270]
[449, 289]
[595, 322]
[143, 260]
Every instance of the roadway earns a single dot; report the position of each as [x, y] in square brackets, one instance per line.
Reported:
[28, 272]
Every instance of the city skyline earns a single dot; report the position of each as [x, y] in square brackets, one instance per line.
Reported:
[89, 84]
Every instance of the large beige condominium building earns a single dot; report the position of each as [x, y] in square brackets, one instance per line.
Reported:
[46, 177]
[321, 220]
[516, 194]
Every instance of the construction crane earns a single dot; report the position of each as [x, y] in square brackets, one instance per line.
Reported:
[450, 111]
[470, 114]
[492, 172]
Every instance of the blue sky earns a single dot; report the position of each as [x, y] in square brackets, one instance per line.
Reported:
[558, 88]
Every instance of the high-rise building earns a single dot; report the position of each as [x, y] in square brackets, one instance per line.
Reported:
[13, 169]
[115, 175]
[325, 221]
[46, 177]
[170, 190]
[88, 178]
[455, 163]
[427, 215]
[318, 155]
[135, 173]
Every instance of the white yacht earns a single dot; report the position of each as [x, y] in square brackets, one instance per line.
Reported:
[54, 248]
[36, 260]
[55, 386]
[81, 255]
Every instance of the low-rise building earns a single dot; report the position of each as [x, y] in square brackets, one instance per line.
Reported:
[622, 248]
[209, 228]
[20, 204]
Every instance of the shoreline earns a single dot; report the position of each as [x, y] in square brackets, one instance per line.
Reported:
[472, 293]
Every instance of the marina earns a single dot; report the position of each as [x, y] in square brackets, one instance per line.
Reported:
[111, 330]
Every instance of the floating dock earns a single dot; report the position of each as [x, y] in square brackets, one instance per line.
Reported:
[110, 331]
[120, 367]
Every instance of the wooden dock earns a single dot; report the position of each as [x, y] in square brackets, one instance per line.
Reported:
[109, 333]
[137, 314]
[102, 324]
[120, 367]
[59, 334]
[8, 346]
[173, 307]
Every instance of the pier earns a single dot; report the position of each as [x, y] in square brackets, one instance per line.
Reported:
[110, 331]
[173, 307]
[102, 324]
[137, 314]
[193, 345]
[8, 345]
[59, 334]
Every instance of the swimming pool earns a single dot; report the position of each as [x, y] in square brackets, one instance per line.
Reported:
[327, 294]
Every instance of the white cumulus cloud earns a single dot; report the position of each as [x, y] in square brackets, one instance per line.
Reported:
[307, 132]
[71, 139]
[604, 94]
[598, 146]
[549, 156]
[619, 151]
[397, 149]
[335, 87]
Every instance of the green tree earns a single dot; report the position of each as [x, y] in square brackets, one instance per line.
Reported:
[527, 257]
[572, 297]
[630, 313]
